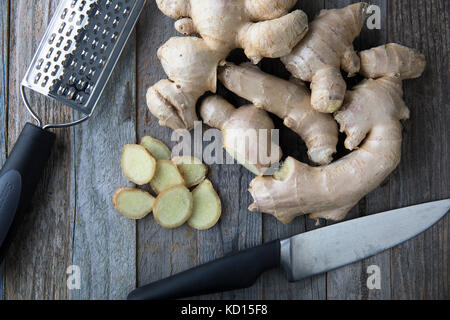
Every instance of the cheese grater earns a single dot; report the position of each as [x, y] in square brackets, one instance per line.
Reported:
[72, 65]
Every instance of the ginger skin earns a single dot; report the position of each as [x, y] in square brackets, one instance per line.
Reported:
[262, 28]
[241, 134]
[326, 48]
[371, 114]
[290, 101]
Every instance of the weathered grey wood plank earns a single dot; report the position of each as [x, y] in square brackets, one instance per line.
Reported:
[350, 282]
[104, 243]
[238, 229]
[378, 200]
[36, 264]
[420, 268]
[163, 252]
[275, 284]
[4, 49]
[155, 245]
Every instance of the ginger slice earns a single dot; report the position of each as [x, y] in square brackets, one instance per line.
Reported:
[133, 203]
[167, 175]
[193, 169]
[173, 207]
[207, 207]
[157, 148]
[138, 165]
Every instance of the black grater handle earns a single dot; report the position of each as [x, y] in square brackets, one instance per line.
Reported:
[19, 178]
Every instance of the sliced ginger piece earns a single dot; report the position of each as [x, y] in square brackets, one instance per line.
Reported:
[166, 176]
[138, 165]
[193, 169]
[157, 148]
[207, 207]
[173, 207]
[133, 203]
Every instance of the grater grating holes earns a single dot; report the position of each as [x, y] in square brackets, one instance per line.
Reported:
[105, 20]
[59, 46]
[79, 49]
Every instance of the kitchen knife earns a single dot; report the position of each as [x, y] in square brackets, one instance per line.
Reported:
[301, 256]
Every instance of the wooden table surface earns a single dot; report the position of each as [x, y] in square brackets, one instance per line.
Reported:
[72, 221]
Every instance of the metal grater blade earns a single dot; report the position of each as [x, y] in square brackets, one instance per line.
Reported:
[80, 49]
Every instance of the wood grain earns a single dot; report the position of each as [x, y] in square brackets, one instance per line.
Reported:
[104, 242]
[4, 49]
[420, 268]
[36, 264]
[275, 284]
[73, 222]
[155, 245]
[165, 252]
[345, 283]
[350, 282]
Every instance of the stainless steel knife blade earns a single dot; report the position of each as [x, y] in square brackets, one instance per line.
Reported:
[329, 248]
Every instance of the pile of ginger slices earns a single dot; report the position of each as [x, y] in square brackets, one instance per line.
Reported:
[172, 180]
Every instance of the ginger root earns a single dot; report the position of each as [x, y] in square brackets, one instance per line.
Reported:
[327, 47]
[371, 116]
[246, 133]
[263, 28]
[289, 100]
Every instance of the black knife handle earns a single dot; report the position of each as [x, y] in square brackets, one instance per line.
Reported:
[237, 271]
[19, 178]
